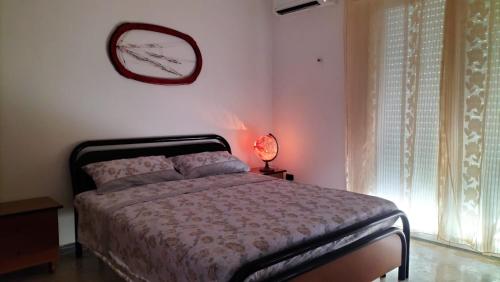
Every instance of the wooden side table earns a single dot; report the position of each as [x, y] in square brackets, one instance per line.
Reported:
[277, 172]
[28, 234]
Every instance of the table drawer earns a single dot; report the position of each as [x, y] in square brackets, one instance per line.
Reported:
[28, 239]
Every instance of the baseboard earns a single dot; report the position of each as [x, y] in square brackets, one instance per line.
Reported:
[67, 249]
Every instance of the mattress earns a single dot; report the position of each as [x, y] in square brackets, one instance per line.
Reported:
[204, 229]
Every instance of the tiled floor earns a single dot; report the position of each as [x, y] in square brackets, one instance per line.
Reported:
[431, 262]
[428, 262]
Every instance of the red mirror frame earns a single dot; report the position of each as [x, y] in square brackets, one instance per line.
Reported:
[125, 27]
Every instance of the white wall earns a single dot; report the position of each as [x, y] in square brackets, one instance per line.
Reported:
[57, 86]
[308, 96]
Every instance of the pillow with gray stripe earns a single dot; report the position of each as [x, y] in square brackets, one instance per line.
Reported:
[208, 163]
[120, 174]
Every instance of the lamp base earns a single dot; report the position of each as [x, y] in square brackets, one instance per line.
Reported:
[266, 168]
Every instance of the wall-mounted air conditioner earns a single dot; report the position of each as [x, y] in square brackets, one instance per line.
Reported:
[282, 7]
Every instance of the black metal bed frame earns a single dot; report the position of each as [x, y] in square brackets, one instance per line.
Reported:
[109, 149]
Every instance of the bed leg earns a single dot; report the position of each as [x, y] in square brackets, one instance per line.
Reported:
[78, 250]
[402, 268]
[406, 231]
[78, 246]
[401, 273]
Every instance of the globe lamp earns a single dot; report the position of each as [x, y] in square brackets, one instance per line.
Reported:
[266, 148]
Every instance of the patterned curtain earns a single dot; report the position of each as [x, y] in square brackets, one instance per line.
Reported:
[423, 84]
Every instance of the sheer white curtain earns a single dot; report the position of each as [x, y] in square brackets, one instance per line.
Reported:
[408, 110]
[423, 83]
[469, 182]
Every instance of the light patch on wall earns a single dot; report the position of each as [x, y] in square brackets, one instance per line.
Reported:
[225, 119]
[241, 134]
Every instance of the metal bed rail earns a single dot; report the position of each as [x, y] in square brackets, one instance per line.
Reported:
[254, 266]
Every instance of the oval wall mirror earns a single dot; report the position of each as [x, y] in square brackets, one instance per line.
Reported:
[154, 54]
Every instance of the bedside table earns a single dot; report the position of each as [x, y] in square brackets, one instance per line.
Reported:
[278, 172]
[29, 234]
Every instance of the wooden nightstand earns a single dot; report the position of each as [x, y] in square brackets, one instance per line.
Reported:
[29, 233]
[278, 172]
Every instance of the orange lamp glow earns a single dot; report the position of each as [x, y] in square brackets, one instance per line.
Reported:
[266, 148]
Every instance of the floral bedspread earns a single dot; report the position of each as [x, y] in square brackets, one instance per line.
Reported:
[204, 229]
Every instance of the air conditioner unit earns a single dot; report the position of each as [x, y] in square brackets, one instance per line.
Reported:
[282, 7]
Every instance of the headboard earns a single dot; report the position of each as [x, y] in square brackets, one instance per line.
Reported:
[110, 149]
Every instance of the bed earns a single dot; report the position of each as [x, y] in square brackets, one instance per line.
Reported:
[231, 227]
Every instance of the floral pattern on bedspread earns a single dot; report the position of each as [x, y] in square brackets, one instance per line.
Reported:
[93, 208]
[204, 229]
